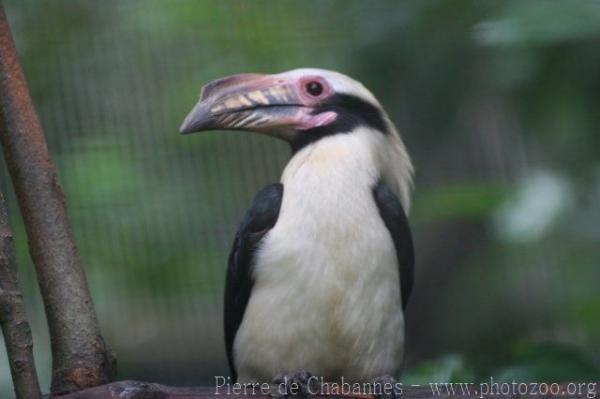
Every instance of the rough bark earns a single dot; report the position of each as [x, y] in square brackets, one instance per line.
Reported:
[17, 334]
[80, 358]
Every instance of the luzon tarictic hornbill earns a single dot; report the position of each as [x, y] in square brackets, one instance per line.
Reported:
[322, 264]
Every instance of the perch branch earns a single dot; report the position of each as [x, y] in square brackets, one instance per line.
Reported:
[17, 334]
[80, 358]
[146, 390]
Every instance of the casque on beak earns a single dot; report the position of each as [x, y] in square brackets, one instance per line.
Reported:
[254, 102]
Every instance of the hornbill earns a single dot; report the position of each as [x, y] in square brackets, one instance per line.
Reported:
[321, 268]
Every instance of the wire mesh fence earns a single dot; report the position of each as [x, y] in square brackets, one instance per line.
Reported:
[496, 125]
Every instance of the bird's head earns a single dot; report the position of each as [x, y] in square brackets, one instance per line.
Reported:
[300, 106]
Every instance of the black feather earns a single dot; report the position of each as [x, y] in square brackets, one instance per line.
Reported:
[259, 219]
[395, 220]
[351, 112]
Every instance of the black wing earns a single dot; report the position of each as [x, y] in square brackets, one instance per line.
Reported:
[259, 219]
[395, 220]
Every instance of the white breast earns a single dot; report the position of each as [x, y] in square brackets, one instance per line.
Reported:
[326, 297]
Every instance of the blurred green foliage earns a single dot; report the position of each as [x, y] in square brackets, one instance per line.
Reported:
[497, 101]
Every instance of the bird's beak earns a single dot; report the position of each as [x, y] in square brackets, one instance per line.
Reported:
[261, 103]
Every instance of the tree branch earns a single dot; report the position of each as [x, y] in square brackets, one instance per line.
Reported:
[141, 390]
[80, 356]
[147, 390]
[17, 334]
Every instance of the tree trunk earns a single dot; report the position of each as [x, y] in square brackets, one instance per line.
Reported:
[80, 358]
[17, 334]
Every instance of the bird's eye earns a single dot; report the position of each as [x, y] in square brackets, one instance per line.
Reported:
[314, 88]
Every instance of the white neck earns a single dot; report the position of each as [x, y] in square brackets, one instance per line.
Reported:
[352, 161]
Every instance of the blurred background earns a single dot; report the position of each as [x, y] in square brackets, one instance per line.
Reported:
[498, 102]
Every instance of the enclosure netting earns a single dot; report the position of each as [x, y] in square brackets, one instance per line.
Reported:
[154, 213]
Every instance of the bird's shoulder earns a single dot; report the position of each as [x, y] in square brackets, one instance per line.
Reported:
[260, 217]
[264, 210]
